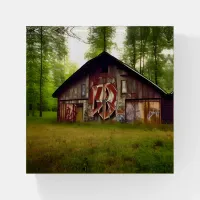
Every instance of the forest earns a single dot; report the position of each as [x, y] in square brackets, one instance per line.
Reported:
[148, 50]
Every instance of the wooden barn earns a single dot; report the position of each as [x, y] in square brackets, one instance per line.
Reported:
[105, 88]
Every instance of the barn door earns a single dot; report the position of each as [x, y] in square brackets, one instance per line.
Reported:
[146, 111]
[79, 113]
[67, 112]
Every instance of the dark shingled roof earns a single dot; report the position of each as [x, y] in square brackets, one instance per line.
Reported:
[104, 54]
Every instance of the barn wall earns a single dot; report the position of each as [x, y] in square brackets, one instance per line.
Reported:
[73, 91]
[109, 86]
[104, 98]
[146, 111]
[67, 110]
[71, 98]
[167, 110]
[136, 89]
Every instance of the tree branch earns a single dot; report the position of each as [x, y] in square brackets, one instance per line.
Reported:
[70, 33]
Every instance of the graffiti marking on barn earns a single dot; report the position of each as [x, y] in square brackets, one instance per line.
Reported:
[151, 113]
[103, 98]
[70, 112]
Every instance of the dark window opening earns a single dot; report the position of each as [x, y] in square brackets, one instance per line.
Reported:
[104, 69]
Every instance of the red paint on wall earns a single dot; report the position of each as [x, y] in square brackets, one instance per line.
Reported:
[105, 98]
[70, 112]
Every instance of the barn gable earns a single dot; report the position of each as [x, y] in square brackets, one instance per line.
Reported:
[104, 59]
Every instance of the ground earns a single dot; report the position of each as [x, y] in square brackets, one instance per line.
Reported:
[54, 147]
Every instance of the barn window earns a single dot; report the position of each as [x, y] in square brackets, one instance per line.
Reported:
[124, 86]
[104, 69]
[83, 90]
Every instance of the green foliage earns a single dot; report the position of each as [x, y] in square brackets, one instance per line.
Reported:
[154, 156]
[145, 50]
[71, 69]
[48, 48]
[58, 72]
[100, 39]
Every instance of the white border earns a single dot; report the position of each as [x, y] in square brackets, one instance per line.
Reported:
[15, 15]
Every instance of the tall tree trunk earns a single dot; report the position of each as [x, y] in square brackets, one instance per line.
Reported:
[41, 74]
[143, 55]
[156, 64]
[133, 61]
[104, 38]
[156, 35]
[134, 56]
[143, 63]
[149, 75]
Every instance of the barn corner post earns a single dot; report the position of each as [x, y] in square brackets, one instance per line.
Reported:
[58, 110]
[160, 108]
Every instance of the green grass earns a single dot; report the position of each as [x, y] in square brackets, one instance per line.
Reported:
[97, 148]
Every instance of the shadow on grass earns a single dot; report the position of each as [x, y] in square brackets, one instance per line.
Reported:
[146, 156]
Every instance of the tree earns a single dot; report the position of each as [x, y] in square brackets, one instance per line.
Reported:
[135, 46]
[156, 35]
[144, 38]
[32, 68]
[100, 39]
[145, 50]
[45, 47]
[130, 55]
[71, 69]
[41, 63]
[62, 71]
[161, 39]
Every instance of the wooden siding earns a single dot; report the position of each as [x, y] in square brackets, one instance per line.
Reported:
[104, 99]
[147, 111]
[167, 110]
[73, 91]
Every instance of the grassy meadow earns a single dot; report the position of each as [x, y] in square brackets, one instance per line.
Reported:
[97, 148]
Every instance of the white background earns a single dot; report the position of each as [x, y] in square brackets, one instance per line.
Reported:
[183, 184]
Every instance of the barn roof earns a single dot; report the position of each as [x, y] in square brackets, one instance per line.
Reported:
[104, 54]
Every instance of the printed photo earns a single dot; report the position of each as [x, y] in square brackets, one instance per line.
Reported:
[99, 99]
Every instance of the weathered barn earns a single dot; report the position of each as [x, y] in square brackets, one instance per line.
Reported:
[105, 88]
